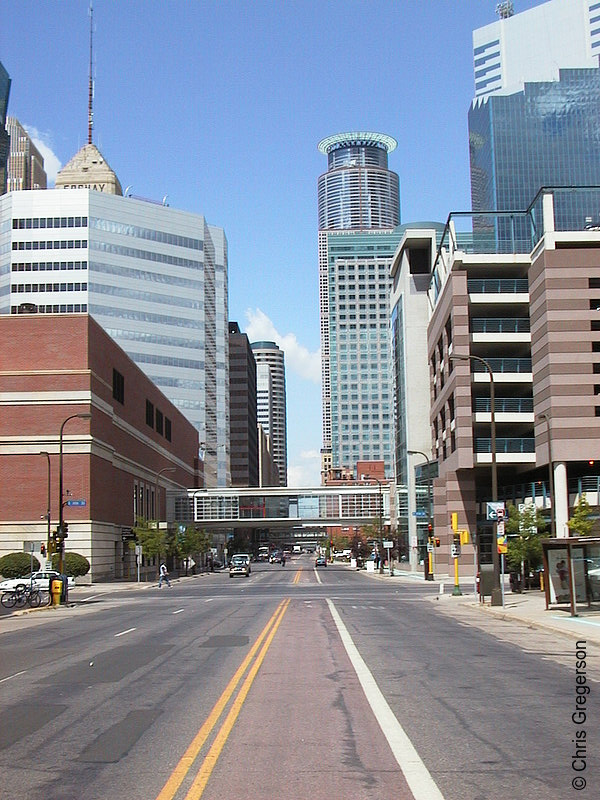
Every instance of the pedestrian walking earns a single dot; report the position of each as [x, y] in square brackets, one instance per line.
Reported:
[163, 576]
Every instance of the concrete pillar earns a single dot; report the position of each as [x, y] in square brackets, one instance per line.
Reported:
[548, 211]
[561, 499]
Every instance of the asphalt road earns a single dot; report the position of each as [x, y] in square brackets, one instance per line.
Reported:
[293, 683]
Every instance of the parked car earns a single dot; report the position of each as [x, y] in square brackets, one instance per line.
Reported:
[40, 579]
[240, 565]
[320, 561]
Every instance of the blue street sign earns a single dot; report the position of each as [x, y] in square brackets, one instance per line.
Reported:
[76, 502]
[419, 513]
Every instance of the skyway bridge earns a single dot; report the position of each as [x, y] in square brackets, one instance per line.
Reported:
[281, 506]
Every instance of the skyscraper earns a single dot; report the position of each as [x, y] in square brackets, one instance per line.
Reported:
[4, 138]
[534, 121]
[242, 405]
[271, 400]
[359, 208]
[532, 46]
[25, 162]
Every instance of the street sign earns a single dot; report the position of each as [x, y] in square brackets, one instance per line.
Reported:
[76, 502]
[419, 513]
[388, 545]
[495, 511]
[501, 539]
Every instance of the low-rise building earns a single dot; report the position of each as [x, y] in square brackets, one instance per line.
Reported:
[118, 460]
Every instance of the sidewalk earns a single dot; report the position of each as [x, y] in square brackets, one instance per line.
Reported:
[528, 608]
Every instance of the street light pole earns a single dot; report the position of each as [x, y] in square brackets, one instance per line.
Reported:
[496, 599]
[83, 415]
[546, 418]
[45, 453]
[429, 576]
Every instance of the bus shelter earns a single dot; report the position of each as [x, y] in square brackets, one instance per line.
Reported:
[572, 573]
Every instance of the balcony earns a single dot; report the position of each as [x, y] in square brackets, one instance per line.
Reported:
[498, 286]
[514, 450]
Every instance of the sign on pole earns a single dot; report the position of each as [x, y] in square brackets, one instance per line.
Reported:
[495, 511]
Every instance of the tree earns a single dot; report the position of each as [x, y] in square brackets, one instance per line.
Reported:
[15, 565]
[152, 539]
[581, 523]
[524, 531]
[192, 541]
[74, 564]
[374, 532]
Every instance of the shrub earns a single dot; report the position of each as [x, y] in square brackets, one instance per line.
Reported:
[74, 564]
[14, 565]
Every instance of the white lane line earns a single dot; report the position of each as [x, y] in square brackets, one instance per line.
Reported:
[317, 576]
[416, 773]
[179, 611]
[124, 632]
[93, 597]
[209, 599]
[16, 675]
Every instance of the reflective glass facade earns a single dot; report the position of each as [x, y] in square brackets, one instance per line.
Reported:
[155, 278]
[546, 135]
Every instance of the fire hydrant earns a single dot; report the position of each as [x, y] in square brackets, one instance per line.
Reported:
[56, 591]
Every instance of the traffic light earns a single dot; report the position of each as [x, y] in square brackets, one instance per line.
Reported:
[65, 530]
[436, 541]
[43, 550]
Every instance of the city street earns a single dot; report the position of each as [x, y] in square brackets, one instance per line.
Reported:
[292, 683]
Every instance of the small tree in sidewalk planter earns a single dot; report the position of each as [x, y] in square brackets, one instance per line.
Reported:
[192, 541]
[581, 522]
[524, 531]
[152, 539]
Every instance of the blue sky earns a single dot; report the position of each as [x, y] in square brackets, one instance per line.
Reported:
[220, 106]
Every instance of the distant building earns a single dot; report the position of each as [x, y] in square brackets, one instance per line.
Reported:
[25, 162]
[242, 405]
[271, 400]
[4, 137]
[154, 277]
[117, 465]
[359, 209]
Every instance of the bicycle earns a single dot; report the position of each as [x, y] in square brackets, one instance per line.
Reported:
[22, 594]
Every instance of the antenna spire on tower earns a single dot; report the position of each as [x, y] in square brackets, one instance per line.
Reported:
[91, 80]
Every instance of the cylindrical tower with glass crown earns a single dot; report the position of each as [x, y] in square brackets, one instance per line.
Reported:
[359, 212]
[358, 191]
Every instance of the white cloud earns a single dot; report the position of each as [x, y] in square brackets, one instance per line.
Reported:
[298, 358]
[43, 143]
[306, 471]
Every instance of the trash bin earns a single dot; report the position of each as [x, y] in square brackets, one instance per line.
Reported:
[486, 580]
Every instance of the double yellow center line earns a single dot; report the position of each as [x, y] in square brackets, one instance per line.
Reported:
[187, 760]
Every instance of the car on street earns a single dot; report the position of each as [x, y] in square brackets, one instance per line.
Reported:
[40, 579]
[320, 561]
[240, 565]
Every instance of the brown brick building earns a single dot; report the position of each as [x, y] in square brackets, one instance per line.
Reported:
[136, 441]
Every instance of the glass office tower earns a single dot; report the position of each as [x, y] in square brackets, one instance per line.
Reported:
[546, 135]
[359, 208]
[154, 277]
